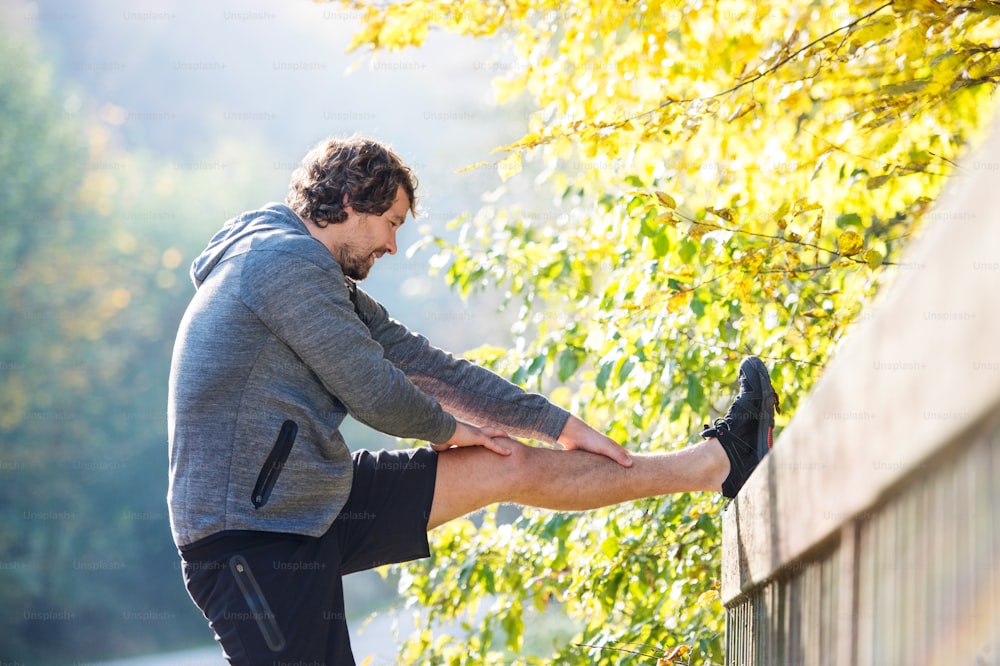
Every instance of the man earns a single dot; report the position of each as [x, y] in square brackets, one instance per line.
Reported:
[269, 508]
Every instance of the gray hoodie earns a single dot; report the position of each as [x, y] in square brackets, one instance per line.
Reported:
[274, 350]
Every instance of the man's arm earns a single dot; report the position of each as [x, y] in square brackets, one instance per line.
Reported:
[474, 393]
[465, 390]
[305, 304]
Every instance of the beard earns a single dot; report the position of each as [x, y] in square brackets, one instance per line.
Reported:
[355, 264]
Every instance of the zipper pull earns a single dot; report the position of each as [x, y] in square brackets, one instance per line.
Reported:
[272, 466]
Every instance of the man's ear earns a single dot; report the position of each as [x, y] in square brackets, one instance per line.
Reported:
[346, 202]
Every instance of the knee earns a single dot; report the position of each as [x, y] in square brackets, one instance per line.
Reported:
[522, 468]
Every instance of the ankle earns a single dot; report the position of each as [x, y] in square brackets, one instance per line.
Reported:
[717, 466]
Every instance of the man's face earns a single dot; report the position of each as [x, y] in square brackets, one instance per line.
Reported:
[367, 237]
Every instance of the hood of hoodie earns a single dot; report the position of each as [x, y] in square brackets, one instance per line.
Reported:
[236, 235]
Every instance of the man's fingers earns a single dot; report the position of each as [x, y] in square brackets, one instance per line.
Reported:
[613, 450]
[495, 446]
[492, 439]
[469, 435]
[576, 434]
[620, 455]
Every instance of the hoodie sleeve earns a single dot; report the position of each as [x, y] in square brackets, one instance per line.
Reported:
[470, 392]
[306, 304]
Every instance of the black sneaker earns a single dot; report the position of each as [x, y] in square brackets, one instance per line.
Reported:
[745, 431]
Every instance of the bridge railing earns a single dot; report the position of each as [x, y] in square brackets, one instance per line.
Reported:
[871, 533]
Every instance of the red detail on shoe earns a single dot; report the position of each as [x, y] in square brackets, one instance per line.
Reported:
[770, 440]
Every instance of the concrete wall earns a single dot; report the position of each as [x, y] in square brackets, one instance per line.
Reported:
[871, 533]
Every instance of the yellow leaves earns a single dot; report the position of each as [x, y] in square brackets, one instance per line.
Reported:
[666, 199]
[679, 301]
[816, 228]
[475, 19]
[727, 214]
[409, 27]
[911, 44]
[788, 211]
[947, 70]
[707, 598]
[873, 31]
[984, 69]
[743, 288]
[471, 167]
[530, 140]
[699, 229]
[509, 166]
[742, 110]
[886, 144]
[779, 215]
[925, 6]
[675, 656]
[752, 259]
[625, 105]
[849, 243]
[873, 258]
[876, 182]
[397, 26]
[670, 216]
[486, 354]
[368, 33]
[506, 89]
[402, 24]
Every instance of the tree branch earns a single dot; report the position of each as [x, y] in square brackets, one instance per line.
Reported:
[778, 65]
[670, 102]
[865, 158]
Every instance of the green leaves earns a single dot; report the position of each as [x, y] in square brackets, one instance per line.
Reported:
[568, 360]
[530, 372]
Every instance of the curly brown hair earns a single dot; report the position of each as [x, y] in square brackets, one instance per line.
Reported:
[367, 172]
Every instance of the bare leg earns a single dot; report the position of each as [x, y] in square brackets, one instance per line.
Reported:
[473, 477]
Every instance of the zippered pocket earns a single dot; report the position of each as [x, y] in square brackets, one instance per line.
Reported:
[259, 608]
[272, 466]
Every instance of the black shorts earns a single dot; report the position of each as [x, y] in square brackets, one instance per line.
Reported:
[278, 598]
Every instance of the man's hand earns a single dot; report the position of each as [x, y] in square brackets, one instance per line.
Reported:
[470, 435]
[578, 435]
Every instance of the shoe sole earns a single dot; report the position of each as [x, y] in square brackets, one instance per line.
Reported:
[768, 403]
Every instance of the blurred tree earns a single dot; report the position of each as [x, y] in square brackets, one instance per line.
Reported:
[89, 303]
[731, 177]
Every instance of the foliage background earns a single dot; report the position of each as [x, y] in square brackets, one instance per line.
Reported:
[685, 182]
[727, 178]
